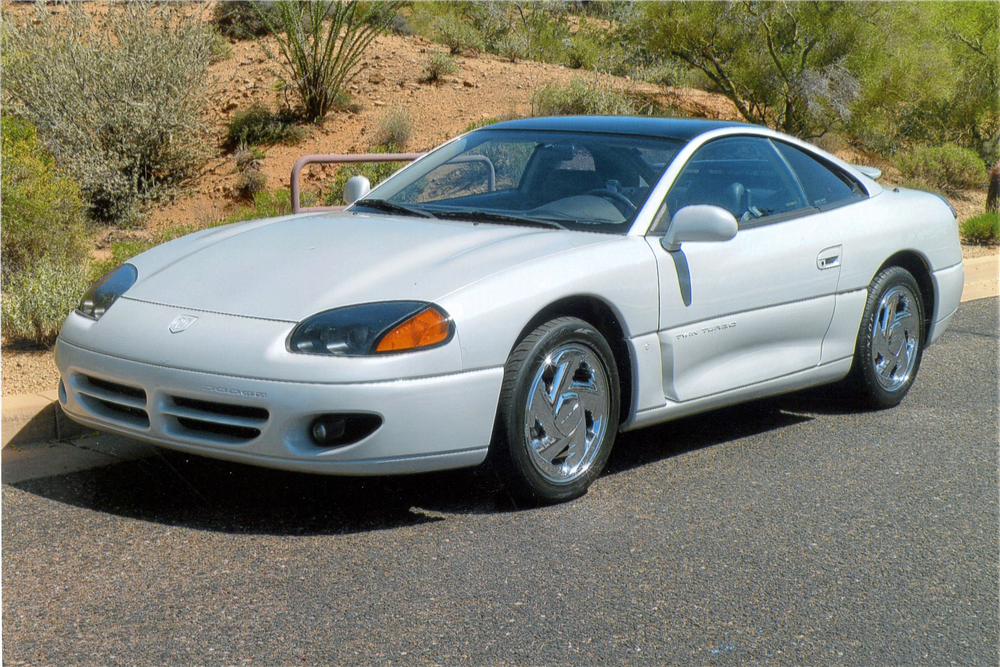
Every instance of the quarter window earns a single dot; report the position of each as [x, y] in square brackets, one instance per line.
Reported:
[824, 187]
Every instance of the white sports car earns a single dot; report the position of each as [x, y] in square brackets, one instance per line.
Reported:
[521, 293]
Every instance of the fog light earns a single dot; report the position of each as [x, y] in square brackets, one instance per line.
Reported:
[326, 430]
[339, 429]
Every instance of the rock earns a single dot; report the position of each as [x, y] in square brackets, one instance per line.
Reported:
[469, 84]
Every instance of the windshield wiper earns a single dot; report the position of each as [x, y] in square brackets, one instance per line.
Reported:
[501, 218]
[390, 207]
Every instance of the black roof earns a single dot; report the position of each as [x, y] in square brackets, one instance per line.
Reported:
[674, 128]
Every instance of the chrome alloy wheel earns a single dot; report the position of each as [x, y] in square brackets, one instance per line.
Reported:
[566, 413]
[895, 337]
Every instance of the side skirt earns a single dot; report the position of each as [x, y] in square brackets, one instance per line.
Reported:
[823, 374]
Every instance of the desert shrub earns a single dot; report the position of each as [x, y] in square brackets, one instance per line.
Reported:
[457, 35]
[259, 126]
[41, 209]
[581, 98]
[393, 130]
[438, 65]
[240, 19]
[983, 228]
[219, 47]
[948, 168]
[375, 172]
[511, 48]
[250, 182]
[320, 45]
[38, 299]
[400, 26]
[249, 165]
[118, 101]
[581, 53]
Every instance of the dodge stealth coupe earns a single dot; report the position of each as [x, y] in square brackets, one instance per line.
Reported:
[520, 295]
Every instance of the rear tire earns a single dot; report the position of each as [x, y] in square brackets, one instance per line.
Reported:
[558, 412]
[890, 341]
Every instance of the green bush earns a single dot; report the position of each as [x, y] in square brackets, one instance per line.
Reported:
[948, 168]
[457, 35]
[118, 101]
[38, 299]
[41, 209]
[581, 98]
[438, 65]
[320, 46]
[393, 130]
[984, 229]
[240, 19]
[259, 126]
[582, 53]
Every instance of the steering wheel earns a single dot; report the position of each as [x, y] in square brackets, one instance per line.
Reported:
[614, 197]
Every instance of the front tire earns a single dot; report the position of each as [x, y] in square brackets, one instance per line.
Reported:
[558, 412]
[890, 341]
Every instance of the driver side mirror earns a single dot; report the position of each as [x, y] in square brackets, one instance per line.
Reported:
[356, 188]
[699, 222]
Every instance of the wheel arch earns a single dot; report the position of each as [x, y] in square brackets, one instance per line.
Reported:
[917, 265]
[600, 315]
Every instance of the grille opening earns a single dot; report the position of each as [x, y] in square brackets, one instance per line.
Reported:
[226, 430]
[115, 388]
[227, 409]
[116, 411]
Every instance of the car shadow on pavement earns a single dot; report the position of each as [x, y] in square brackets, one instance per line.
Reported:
[179, 489]
[654, 443]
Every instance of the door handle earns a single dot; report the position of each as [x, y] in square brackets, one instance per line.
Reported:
[829, 258]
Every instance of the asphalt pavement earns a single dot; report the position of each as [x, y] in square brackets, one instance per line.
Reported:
[793, 531]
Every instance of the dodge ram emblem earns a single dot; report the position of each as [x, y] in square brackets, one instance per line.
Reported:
[181, 323]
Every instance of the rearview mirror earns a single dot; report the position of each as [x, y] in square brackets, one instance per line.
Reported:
[699, 222]
[356, 188]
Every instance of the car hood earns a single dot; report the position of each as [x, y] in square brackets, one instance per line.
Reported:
[290, 268]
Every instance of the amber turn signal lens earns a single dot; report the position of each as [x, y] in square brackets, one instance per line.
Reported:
[428, 327]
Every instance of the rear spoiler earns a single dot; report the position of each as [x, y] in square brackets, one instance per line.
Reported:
[870, 172]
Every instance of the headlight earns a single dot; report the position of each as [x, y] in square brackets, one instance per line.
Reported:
[372, 328]
[106, 291]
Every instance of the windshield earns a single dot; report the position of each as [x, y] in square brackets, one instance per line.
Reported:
[573, 180]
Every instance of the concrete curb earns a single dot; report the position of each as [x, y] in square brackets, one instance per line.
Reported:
[33, 418]
[36, 418]
[982, 278]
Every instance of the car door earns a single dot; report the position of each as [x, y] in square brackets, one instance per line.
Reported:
[754, 308]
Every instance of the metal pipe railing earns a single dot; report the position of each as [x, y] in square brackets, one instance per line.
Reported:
[338, 159]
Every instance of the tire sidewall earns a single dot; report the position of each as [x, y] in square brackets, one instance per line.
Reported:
[525, 477]
[873, 393]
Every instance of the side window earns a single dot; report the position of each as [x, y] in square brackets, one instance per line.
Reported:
[823, 186]
[741, 174]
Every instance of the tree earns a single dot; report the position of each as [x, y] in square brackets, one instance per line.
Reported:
[801, 67]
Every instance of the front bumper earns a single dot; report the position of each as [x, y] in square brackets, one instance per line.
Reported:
[429, 423]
